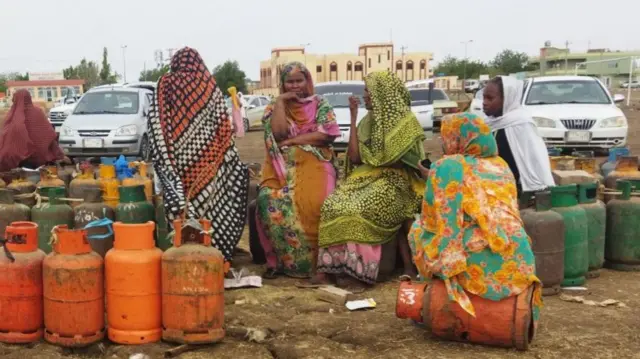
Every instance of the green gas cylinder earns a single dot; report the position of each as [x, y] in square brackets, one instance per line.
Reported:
[134, 207]
[10, 211]
[50, 214]
[564, 200]
[546, 230]
[596, 224]
[622, 249]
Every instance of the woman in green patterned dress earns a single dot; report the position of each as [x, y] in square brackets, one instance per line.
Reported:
[381, 193]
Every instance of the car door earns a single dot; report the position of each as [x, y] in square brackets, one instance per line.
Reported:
[255, 109]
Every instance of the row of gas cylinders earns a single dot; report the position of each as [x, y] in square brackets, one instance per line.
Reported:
[177, 296]
[574, 234]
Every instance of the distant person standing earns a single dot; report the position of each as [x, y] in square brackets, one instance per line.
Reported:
[27, 138]
[519, 143]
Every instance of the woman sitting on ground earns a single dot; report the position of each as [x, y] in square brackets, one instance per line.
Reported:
[382, 193]
[519, 143]
[297, 176]
[27, 138]
[470, 234]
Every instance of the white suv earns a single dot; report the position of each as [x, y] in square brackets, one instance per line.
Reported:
[575, 112]
[337, 93]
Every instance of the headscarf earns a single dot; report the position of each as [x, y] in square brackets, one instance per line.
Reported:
[236, 113]
[296, 109]
[390, 132]
[194, 153]
[27, 135]
[470, 185]
[527, 147]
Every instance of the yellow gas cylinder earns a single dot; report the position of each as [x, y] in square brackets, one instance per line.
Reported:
[147, 181]
[82, 182]
[49, 178]
[109, 185]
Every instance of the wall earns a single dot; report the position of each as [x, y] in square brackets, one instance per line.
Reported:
[41, 93]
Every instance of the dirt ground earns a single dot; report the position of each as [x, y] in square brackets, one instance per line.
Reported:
[300, 326]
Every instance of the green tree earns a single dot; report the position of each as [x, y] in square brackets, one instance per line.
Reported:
[452, 66]
[106, 77]
[87, 71]
[509, 61]
[228, 75]
[154, 74]
[11, 76]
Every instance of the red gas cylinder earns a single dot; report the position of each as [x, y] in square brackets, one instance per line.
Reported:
[73, 291]
[193, 287]
[505, 323]
[21, 284]
[134, 293]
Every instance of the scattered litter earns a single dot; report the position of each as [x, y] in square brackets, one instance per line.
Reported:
[593, 303]
[361, 304]
[240, 301]
[139, 356]
[331, 311]
[334, 295]
[574, 288]
[239, 280]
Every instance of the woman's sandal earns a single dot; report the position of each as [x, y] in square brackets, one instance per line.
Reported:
[271, 273]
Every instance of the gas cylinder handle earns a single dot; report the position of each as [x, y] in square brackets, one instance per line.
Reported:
[15, 238]
[104, 222]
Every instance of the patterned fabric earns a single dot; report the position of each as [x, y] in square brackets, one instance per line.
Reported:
[194, 153]
[390, 132]
[377, 197]
[470, 233]
[27, 137]
[360, 261]
[295, 183]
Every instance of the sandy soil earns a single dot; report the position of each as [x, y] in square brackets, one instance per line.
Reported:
[300, 326]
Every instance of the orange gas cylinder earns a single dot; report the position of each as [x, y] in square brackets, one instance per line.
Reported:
[21, 284]
[109, 184]
[134, 293]
[409, 301]
[193, 287]
[73, 291]
[49, 178]
[506, 323]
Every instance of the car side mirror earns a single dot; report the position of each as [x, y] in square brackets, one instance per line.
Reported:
[618, 98]
[251, 107]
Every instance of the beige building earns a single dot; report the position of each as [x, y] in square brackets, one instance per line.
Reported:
[345, 67]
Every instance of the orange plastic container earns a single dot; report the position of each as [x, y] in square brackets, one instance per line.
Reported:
[109, 184]
[134, 295]
[192, 288]
[21, 285]
[73, 279]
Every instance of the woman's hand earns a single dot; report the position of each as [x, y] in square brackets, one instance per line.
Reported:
[285, 143]
[354, 104]
[424, 171]
[287, 96]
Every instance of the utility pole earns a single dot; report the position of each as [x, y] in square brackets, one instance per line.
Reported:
[404, 66]
[464, 77]
[124, 62]
[304, 47]
[566, 57]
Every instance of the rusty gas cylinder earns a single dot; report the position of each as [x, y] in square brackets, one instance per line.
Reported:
[10, 211]
[409, 300]
[93, 209]
[49, 178]
[546, 229]
[192, 287]
[21, 284]
[85, 180]
[626, 169]
[73, 291]
[133, 282]
[24, 187]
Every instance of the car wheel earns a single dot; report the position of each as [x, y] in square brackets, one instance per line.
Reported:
[245, 123]
[145, 153]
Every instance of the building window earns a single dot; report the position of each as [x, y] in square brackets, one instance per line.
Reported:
[349, 66]
[349, 71]
[358, 69]
[319, 68]
[333, 72]
[409, 73]
[423, 65]
[409, 65]
[399, 65]
[369, 62]
[388, 55]
[379, 58]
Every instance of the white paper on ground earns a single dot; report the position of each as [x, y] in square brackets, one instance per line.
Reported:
[361, 304]
[250, 281]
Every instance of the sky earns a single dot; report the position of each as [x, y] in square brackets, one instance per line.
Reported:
[49, 35]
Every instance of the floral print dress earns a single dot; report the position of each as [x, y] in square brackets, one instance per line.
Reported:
[470, 234]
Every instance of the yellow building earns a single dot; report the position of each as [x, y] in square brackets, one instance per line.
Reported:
[345, 67]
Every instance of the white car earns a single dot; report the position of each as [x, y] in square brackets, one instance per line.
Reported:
[337, 93]
[476, 104]
[422, 107]
[575, 112]
[253, 110]
[58, 114]
[471, 85]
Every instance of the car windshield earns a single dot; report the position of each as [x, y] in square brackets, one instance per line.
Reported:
[421, 97]
[338, 95]
[564, 92]
[108, 102]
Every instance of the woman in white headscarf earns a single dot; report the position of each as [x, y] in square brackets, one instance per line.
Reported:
[519, 143]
